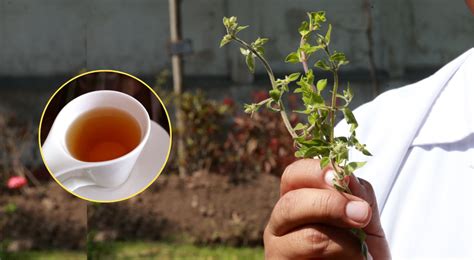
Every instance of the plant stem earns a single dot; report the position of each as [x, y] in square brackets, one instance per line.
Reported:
[333, 105]
[304, 60]
[332, 122]
[269, 70]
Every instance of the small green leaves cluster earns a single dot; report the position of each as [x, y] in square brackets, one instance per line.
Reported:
[257, 45]
[232, 28]
[314, 138]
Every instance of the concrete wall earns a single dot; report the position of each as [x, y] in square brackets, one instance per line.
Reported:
[53, 37]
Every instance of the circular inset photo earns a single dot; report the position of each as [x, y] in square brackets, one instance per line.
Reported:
[105, 136]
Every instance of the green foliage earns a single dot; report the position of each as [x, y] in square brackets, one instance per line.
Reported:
[161, 250]
[45, 255]
[10, 208]
[202, 133]
[257, 145]
[314, 138]
[225, 142]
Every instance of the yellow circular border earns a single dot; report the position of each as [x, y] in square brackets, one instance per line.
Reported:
[152, 91]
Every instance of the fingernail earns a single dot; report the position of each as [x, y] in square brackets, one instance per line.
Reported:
[329, 176]
[357, 211]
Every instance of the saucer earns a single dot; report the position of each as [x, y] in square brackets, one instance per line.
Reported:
[146, 169]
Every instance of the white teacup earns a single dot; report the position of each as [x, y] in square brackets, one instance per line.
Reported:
[73, 173]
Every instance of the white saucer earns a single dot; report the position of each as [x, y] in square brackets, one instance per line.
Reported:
[146, 169]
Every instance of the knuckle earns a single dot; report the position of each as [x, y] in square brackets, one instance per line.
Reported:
[331, 206]
[284, 209]
[318, 242]
[324, 203]
[287, 204]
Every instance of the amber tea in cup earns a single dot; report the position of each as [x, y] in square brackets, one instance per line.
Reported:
[103, 134]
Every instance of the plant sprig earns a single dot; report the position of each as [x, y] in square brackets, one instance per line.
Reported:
[315, 137]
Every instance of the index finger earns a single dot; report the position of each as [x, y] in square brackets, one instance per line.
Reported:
[306, 173]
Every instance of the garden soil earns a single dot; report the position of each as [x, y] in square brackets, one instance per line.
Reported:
[201, 209]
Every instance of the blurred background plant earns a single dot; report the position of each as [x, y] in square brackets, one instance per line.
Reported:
[257, 145]
[220, 138]
[17, 148]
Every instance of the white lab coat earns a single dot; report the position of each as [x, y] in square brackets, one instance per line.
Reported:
[422, 169]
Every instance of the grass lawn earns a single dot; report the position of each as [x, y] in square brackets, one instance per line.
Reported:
[147, 250]
[45, 255]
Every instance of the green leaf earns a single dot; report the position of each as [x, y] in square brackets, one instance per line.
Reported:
[299, 127]
[350, 119]
[225, 21]
[305, 112]
[299, 154]
[359, 233]
[362, 236]
[250, 60]
[322, 83]
[341, 139]
[240, 28]
[309, 76]
[304, 28]
[312, 50]
[244, 51]
[275, 94]
[328, 35]
[324, 162]
[308, 49]
[360, 147]
[326, 129]
[366, 152]
[322, 16]
[230, 24]
[260, 50]
[316, 18]
[311, 98]
[258, 45]
[312, 118]
[298, 90]
[313, 151]
[260, 41]
[313, 142]
[225, 40]
[304, 86]
[270, 106]
[321, 41]
[352, 166]
[339, 58]
[348, 95]
[292, 58]
[251, 108]
[321, 64]
[294, 76]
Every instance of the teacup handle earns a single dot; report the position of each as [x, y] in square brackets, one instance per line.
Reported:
[57, 158]
[69, 172]
[73, 183]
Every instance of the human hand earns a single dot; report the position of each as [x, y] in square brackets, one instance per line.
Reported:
[313, 220]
